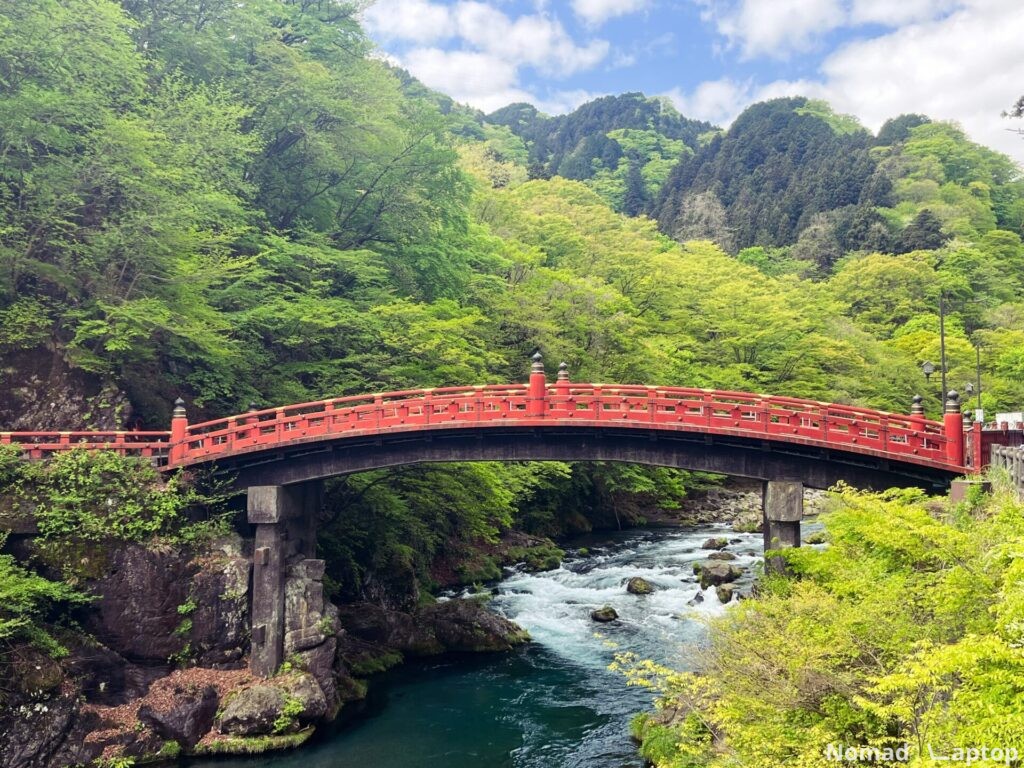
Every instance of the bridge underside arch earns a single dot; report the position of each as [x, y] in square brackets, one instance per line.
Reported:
[283, 490]
[813, 466]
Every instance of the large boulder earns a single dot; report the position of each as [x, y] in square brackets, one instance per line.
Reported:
[153, 602]
[46, 732]
[139, 595]
[219, 637]
[715, 543]
[639, 586]
[604, 614]
[724, 592]
[303, 688]
[252, 711]
[713, 574]
[185, 718]
[466, 626]
[452, 625]
[386, 627]
[278, 705]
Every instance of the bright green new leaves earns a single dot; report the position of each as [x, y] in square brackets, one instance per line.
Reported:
[26, 599]
[904, 630]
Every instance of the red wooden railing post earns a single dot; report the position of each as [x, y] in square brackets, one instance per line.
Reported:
[536, 397]
[179, 430]
[953, 426]
[917, 440]
[979, 461]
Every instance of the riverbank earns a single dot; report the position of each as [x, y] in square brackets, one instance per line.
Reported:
[162, 671]
[554, 701]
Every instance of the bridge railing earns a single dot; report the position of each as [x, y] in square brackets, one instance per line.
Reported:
[744, 413]
[41, 445]
[711, 411]
[1010, 458]
[783, 419]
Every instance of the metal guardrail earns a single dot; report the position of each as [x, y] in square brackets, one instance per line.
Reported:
[1010, 458]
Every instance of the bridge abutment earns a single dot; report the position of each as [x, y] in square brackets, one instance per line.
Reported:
[783, 504]
[285, 518]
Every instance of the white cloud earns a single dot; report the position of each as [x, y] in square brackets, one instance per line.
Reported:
[484, 82]
[560, 102]
[473, 78]
[536, 40]
[891, 14]
[778, 28]
[418, 21]
[717, 101]
[596, 12]
[964, 66]
[484, 69]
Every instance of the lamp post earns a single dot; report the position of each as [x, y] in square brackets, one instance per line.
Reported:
[977, 373]
[942, 342]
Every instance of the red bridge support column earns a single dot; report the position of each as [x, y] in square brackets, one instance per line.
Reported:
[783, 511]
[536, 396]
[953, 423]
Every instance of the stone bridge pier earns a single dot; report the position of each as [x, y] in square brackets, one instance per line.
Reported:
[287, 579]
[783, 503]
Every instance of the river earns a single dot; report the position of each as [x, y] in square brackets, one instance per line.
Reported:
[554, 703]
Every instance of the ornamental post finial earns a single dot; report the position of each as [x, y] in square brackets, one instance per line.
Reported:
[538, 362]
[953, 402]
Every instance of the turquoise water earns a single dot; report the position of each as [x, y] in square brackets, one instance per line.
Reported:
[552, 704]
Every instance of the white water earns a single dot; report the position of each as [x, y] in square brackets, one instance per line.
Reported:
[553, 703]
[555, 605]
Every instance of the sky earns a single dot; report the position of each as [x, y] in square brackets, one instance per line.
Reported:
[954, 60]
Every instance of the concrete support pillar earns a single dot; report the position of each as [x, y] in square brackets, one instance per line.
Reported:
[783, 510]
[267, 614]
[285, 520]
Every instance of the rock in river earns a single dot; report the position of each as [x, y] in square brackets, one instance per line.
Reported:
[715, 543]
[713, 574]
[639, 586]
[721, 556]
[604, 615]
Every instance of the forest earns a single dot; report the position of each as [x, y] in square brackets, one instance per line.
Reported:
[240, 203]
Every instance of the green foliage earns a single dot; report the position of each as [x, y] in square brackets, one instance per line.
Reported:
[238, 202]
[590, 142]
[841, 124]
[905, 629]
[27, 601]
[780, 163]
[287, 718]
[97, 496]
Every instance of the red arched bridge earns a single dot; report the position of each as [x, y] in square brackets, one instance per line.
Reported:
[736, 433]
[280, 455]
